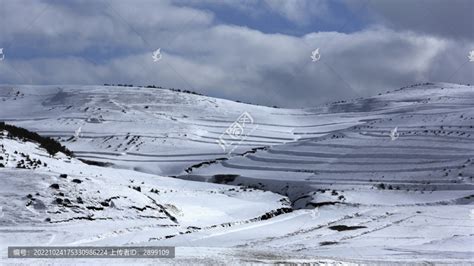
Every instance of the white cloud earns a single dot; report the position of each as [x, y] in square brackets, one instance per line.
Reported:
[230, 61]
[296, 11]
[300, 11]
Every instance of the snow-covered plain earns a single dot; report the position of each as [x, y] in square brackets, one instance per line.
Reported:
[356, 194]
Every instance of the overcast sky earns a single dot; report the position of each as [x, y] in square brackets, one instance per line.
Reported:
[256, 51]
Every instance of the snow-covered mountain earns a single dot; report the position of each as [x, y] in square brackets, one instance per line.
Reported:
[415, 140]
[59, 200]
[386, 178]
[147, 129]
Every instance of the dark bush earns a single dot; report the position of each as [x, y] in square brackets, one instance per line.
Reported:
[345, 227]
[96, 163]
[49, 144]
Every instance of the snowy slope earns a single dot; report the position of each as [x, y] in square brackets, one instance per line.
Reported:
[62, 201]
[410, 197]
[412, 194]
[434, 150]
[150, 130]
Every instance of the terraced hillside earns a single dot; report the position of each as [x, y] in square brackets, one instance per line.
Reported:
[397, 186]
[58, 200]
[386, 178]
[148, 129]
[432, 152]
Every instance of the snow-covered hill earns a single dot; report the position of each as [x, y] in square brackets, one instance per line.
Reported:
[410, 190]
[150, 130]
[61, 201]
[386, 178]
[431, 150]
